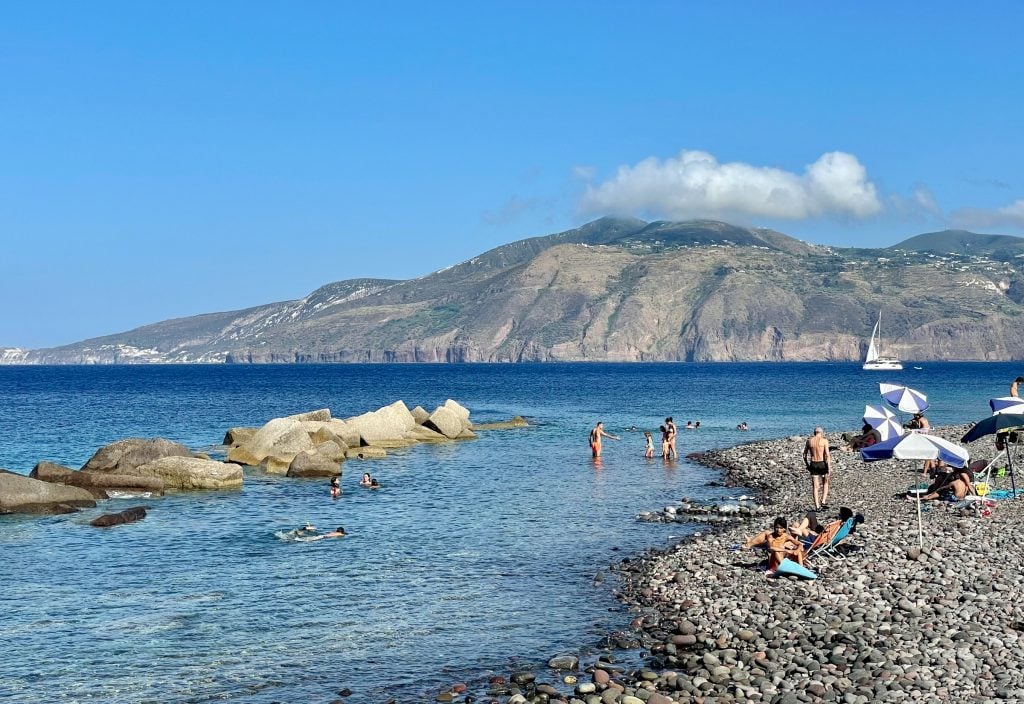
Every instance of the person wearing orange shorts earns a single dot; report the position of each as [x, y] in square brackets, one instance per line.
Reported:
[595, 438]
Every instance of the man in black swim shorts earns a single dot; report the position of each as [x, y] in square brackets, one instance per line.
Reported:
[818, 461]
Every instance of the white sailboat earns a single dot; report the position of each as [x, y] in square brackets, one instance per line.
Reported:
[874, 360]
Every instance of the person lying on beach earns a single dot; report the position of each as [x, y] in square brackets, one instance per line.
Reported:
[957, 483]
[868, 437]
[810, 530]
[780, 544]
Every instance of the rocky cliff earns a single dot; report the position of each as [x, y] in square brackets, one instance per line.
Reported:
[625, 290]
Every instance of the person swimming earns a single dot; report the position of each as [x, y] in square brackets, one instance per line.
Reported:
[743, 426]
[374, 484]
[366, 480]
[335, 488]
[337, 533]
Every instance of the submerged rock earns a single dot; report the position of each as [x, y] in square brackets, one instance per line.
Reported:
[129, 515]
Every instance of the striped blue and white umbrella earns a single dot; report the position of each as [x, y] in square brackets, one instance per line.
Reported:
[904, 398]
[917, 446]
[883, 420]
[1006, 404]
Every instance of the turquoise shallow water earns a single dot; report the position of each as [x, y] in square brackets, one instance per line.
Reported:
[475, 557]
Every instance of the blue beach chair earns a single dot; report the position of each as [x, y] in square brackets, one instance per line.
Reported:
[842, 534]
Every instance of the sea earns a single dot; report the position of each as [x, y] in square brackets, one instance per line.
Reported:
[476, 557]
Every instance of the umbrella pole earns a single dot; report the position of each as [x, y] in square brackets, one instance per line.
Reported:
[920, 526]
[1009, 462]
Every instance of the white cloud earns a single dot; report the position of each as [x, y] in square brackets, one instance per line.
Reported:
[694, 184]
[584, 173]
[920, 205]
[1011, 215]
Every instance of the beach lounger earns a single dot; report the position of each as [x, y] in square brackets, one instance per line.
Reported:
[828, 539]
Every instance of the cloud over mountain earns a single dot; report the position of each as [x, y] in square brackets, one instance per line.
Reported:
[695, 184]
[1011, 215]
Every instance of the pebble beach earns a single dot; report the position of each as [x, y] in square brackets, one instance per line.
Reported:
[889, 623]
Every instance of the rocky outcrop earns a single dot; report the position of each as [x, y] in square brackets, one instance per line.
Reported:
[420, 415]
[129, 515]
[191, 473]
[238, 436]
[322, 414]
[124, 455]
[20, 494]
[99, 484]
[273, 446]
[515, 422]
[385, 427]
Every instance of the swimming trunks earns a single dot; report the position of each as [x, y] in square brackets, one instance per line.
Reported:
[818, 469]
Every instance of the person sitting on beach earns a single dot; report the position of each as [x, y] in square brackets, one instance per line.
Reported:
[957, 483]
[868, 437]
[335, 488]
[649, 448]
[365, 481]
[780, 543]
[918, 422]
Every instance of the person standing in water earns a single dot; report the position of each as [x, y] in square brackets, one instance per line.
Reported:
[335, 488]
[818, 461]
[595, 438]
[649, 449]
[1015, 386]
[672, 433]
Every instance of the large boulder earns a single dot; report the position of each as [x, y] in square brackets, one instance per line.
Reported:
[385, 426]
[348, 434]
[129, 515]
[99, 484]
[420, 415]
[315, 464]
[123, 455]
[192, 473]
[274, 445]
[421, 433]
[459, 410]
[20, 494]
[238, 436]
[446, 422]
[323, 414]
[326, 435]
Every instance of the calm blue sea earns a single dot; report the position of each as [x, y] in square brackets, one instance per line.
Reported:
[476, 557]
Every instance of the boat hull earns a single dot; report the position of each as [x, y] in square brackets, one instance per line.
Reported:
[883, 365]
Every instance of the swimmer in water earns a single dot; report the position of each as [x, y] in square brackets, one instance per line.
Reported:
[365, 481]
[374, 484]
[335, 488]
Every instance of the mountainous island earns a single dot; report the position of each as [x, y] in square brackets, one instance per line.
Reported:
[620, 289]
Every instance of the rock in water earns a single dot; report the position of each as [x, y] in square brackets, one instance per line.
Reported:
[191, 473]
[314, 464]
[323, 414]
[275, 444]
[20, 494]
[446, 422]
[420, 415]
[124, 455]
[238, 436]
[129, 515]
[96, 483]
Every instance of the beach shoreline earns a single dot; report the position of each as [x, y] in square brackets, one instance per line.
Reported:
[887, 623]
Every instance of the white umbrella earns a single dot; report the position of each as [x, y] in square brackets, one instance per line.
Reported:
[1006, 404]
[917, 446]
[883, 420]
[904, 398]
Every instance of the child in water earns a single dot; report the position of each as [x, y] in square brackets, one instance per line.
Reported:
[335, 488]
[649, 449]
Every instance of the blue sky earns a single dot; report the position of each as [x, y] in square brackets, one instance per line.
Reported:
[166, 159]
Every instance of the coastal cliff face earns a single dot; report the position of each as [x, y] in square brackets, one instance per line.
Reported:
[625, 290]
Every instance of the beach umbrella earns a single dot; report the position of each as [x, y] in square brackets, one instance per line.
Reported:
[904, 398]
[998, 423]
[883, 420]
[874, 415]
[917, 446]
[1007, 404]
